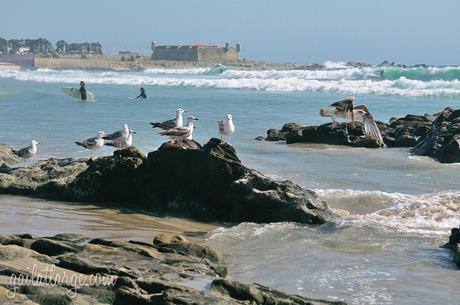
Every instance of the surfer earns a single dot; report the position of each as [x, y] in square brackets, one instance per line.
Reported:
[84, 96]
[142, 95]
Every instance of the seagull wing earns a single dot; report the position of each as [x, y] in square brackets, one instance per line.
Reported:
[88, 143]
[345, 106]
[370, 127]
[169, 124]
[113, 136]
[220, 124]
[176, 132]
[23, 152]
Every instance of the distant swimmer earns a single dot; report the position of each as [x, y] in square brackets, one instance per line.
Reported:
[84, 96]
[142, 95]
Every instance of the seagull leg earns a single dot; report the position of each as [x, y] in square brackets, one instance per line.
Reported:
[334, 123]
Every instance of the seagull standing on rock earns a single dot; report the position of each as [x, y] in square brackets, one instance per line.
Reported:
[181, 133]
[93, 144]
[226, 127]
[347, 110]
[120, 138]
[173, 123]
[27, 152]
[123, 143]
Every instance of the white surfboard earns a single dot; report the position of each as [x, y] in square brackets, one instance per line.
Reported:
[75, 92]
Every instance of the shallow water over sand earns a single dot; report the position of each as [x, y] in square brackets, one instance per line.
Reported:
[45, 218]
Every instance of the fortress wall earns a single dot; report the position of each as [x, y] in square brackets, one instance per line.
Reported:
[217, 55]
[174, 53]
[92, 62]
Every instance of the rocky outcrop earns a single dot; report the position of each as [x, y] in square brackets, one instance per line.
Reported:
[442, 142]
[162, 272]
[280, 134]
[7, 156]
[436, 136]
[206, 182]
[454, 245]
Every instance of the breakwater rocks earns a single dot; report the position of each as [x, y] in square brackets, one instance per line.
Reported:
[169, 270]
[434, 135]
[454, 245]
[203, 182]
[7, 156]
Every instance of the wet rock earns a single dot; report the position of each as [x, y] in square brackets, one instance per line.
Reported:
[442, 142]
[434, 135]
[172, 242]
[8, 157]
[11, 252]
[51, 247]
[151, 280]
[185, 179]
[281, 134]
[259, 138]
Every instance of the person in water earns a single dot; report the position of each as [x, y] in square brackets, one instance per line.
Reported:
[84, 96]
[142, 95]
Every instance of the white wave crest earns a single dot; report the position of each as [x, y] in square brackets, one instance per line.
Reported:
[433, 213]
[345, 81]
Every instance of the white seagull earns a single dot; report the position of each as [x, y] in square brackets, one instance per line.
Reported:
[181, 133]
[346, 109]
[29, 151]
[226, 127]
[93, 144]
[119, 137]
[122, 144]
[169, 124]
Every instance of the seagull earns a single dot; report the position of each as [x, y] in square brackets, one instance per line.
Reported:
[124, 143]
[119, 137]
[169, 124]
[345, 109]
[27, 152]
[93, 144]
[181, 133]
[226, 127]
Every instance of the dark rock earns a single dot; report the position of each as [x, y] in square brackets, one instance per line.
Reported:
[82, 265]
[434, 135]
[442, 142]
[153, 280]
[281, 134]
[259, 138]
[184, 179]
[51, 247]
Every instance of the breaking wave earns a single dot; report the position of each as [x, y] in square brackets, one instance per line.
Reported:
[336, 77]
[434, 213]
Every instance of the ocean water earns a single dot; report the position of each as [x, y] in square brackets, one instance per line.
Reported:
[397, 209]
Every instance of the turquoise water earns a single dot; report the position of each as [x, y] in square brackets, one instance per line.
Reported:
[397, 208]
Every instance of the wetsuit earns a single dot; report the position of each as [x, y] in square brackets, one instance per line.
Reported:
[142, 95]
[83, 93]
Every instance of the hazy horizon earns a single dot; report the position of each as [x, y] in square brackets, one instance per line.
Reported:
[293, 31]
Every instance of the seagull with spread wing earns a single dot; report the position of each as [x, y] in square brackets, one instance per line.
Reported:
[346, 109]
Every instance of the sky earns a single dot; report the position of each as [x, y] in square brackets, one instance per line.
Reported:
[300, 31]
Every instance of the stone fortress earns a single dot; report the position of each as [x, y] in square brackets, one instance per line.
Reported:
[196, 53]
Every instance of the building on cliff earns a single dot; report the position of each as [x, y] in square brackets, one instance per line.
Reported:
[196, 52]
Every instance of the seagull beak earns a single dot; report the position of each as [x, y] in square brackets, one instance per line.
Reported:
[196, 119]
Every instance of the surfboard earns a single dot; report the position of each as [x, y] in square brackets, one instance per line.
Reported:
[75, 92]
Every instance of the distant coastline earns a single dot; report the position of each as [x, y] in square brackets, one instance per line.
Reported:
[139, 63]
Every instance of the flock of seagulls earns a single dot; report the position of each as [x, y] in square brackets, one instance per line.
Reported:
[121, 139]
[177, 131]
